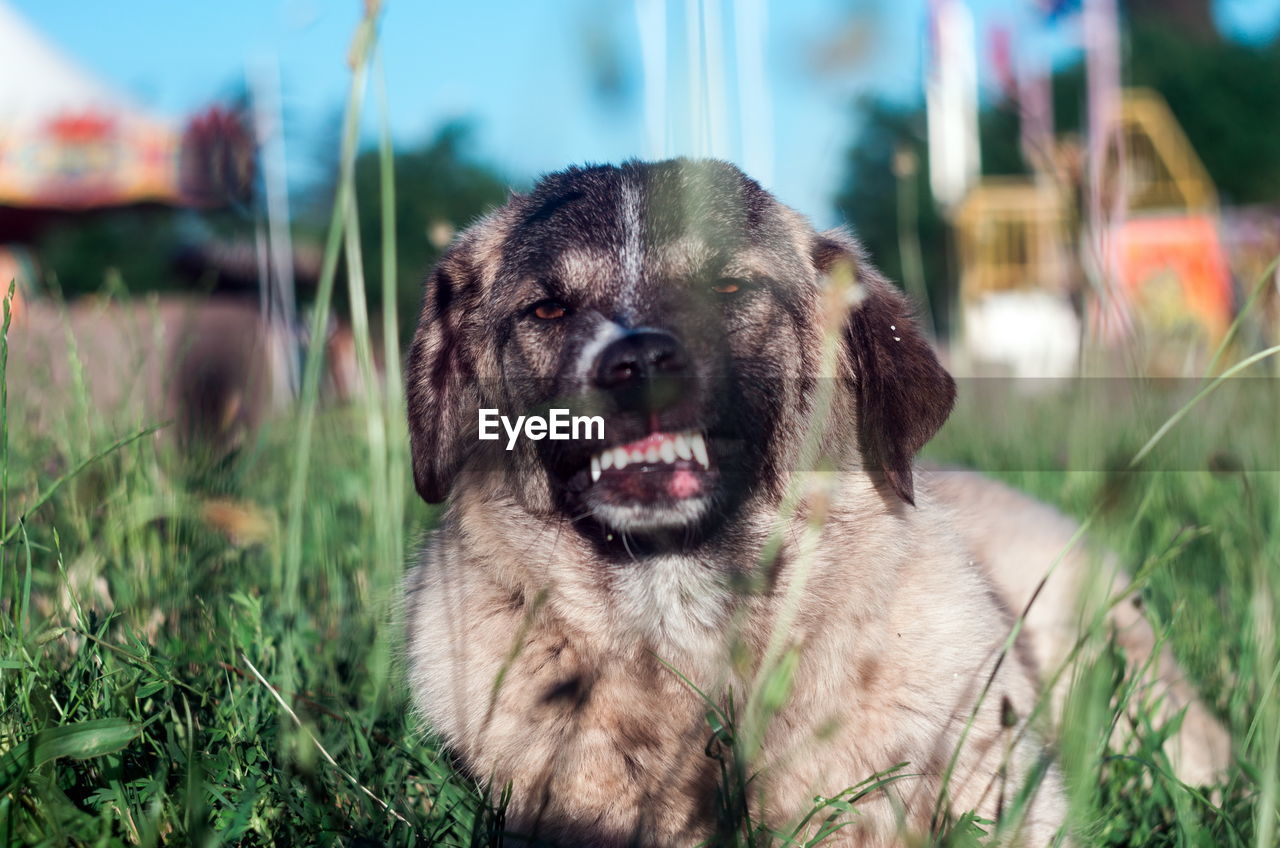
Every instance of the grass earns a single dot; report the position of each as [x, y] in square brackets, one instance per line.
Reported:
[208, 656]
[142, 676]
[1199, 519]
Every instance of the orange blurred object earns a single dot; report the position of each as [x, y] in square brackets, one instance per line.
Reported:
[1174, 269]
[15, 268]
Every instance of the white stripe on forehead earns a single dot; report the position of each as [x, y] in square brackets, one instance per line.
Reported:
[632, 256]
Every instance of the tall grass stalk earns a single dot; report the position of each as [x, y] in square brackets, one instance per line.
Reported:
[385, 516]
[397, 434]
[1265, 281]
[771, 682]
[372, 406]
[7, 319]
[361, 50]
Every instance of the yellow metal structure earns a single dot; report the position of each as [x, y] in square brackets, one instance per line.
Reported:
[1011, 236]
[1161, 170]
[1012, 233]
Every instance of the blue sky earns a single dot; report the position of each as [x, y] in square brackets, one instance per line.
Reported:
[521, 69]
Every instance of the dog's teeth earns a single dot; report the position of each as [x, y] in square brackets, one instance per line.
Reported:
[667, 452]
[699, 446]
[606, 460]
[682, 447]
[595, 469]
[651, 455]
[620, 458]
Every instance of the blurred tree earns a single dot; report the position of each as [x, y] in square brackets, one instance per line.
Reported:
[1193, 19]
[1226, 96]
[440, 189]
[867, 198]
[132, 247]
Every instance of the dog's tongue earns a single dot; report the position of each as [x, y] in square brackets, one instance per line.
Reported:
[683, 484]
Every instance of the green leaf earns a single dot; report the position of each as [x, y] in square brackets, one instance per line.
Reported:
[79, 741]
[149, 689]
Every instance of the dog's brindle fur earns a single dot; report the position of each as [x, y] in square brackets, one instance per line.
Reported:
[540, 616]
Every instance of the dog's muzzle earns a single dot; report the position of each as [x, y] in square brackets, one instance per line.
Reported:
[657, 468]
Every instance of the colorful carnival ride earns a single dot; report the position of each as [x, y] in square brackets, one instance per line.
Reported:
[70, 141]
[71, 144]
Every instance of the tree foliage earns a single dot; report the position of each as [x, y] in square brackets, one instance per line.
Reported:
[439, 189]
[1226, 96]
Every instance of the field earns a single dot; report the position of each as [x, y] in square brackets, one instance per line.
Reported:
[206, 653]
[181, 665]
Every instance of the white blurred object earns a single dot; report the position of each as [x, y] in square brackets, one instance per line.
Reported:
[755, 101]
[951, 101]
[1101, 31]
[651, 21]
[1023, 334]
[37, 80]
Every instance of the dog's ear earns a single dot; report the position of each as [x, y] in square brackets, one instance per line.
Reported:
[903, 394]
[442, 394]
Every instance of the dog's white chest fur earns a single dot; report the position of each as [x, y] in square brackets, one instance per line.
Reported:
[672, 600]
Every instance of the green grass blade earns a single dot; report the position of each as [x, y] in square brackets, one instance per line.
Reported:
[57, 484]
[80, 741]
[364, 38]
[4, 420]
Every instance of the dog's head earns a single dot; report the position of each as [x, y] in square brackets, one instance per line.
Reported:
[683, 305]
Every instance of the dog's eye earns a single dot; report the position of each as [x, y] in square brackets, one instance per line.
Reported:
[730, 285]
[549, 310]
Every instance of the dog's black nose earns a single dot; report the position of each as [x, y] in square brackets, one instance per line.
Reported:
[643, 370]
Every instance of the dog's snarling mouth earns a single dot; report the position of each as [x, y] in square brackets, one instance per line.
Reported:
[658, 466]
[663, 480]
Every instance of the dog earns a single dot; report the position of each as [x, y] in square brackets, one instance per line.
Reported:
[1016, 540]
[745, 541]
